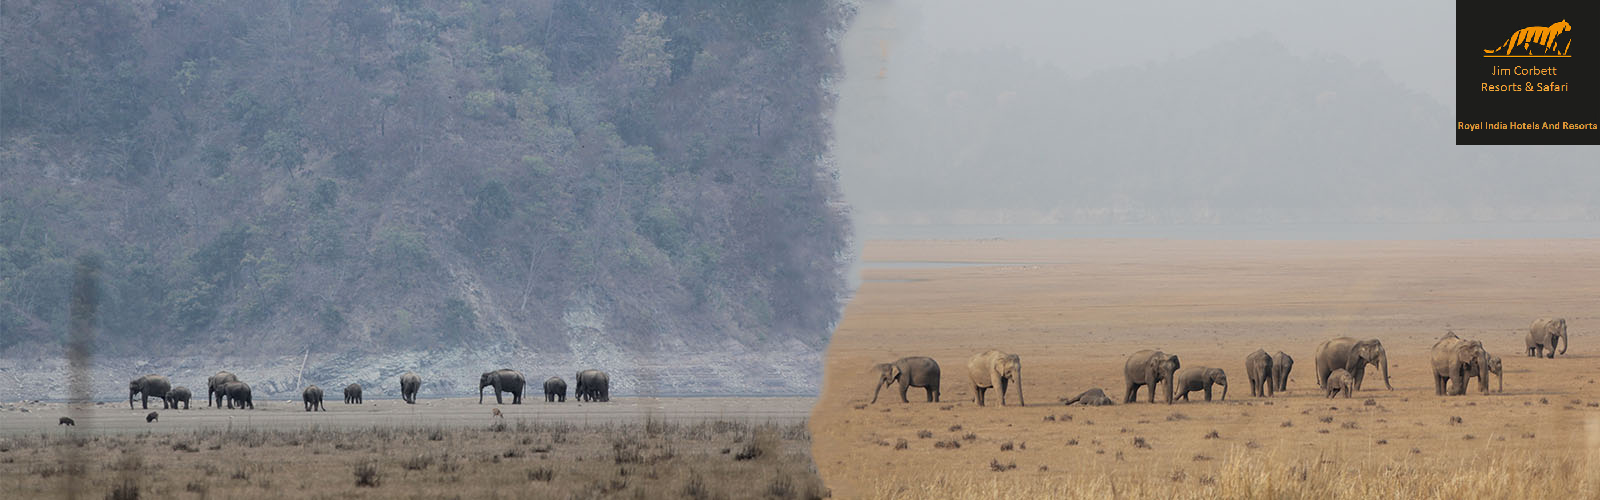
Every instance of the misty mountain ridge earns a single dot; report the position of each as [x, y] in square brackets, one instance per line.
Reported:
[335, 191]
[1241, 132]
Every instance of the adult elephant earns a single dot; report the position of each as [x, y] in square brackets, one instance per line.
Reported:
[1200, 378]
[352, 394]
[1281, 365]
[1258, 367]
[908, 372]
[1149, 367]
[993, 368]
[312, 397]
[238, 392]
[592, 385]
[1353, 356]
[1546, 333]
[409, 384]
[149, 386]
[555, 389]
[1454, 360]
[214, 386]
[179, 394]
[502, 380]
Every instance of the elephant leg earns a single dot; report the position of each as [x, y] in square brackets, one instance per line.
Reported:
[977, 395]
[1208, 392]
[1130, 393]
[903, 387]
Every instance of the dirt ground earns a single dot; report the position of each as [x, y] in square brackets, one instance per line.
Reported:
[1074, 309]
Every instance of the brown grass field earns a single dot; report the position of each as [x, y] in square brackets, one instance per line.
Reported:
[1074, 309]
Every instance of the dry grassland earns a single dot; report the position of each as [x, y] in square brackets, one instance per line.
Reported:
[1073, 310]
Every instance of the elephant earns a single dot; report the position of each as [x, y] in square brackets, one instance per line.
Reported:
[67, 421]
[214, 386]
[312, 396]
[555, 389]
[151, 417]
[1092, 397]
[352, 394]
[1546, 332]
[911, 371]
[1499, 373]
[1454, 360]
[503, 380]
[238, 392]
[993, 368]
[1339, 381]
[1281, 365]
[179, 394]
[1200, 378]
[148, 386]
[592, 385]
[1149, 367]
[1353, 356]
[409, 384]
[1258, 367]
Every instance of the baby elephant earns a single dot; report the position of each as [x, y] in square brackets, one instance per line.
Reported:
[313, 398]
[1340, 381]
[1091, 397]
[179, 394]
[1200, 378]
[150, 418]
[67, 422]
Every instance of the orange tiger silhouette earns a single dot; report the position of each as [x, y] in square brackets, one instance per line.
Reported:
[1542, 35]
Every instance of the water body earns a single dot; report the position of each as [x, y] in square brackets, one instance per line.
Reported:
[1311, 232]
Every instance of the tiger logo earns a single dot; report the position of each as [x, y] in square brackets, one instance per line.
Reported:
[1544, 36]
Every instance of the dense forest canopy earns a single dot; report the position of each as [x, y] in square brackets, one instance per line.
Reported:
[348, 175]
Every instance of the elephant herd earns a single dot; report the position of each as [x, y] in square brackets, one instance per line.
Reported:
[226, 388]
[1341, 365]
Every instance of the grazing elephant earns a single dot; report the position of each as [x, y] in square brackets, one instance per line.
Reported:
[1148, 367]
[409, 384]
[1546, 332]
[1281, 365]
[312, 396]
[149, 386]
[179, 394]
[1353, 356]
[352, 394]
[214, 386]
[995, 369]
[1499, 373]
[1340, 381]
[67, 421]
[555, 389]
[912, 371]
[150, 418]
[1092, 397]
[1200, 378]
[592, 385]
[502, 380]
[1454, 360]
[238, 392]
[1258, 367]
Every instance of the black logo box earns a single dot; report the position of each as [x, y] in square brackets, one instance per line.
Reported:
[1484, 26]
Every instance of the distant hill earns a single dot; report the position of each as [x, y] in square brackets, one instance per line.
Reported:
[345, 190]
[1241, 132]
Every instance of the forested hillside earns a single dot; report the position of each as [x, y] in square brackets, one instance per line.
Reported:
[558, 181]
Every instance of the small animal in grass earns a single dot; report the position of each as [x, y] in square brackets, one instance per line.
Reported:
[150, 418]
[498, 414]
[67, 421]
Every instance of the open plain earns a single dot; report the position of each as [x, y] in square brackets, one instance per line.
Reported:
[1074, 309]
[695, 448]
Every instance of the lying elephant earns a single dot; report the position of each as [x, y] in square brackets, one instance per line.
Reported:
[1200, 378]
[1091, 397]
[908, 372]
[1340, 381]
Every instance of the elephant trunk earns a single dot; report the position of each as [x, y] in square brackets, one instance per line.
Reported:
[1020, 401]
[875, 388]
[1168, 388]
[480, 392]
[1558, 340]
[1383, 361]
[1500, 379]
[131, 392]
[1483, 378]
[1224, 390]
